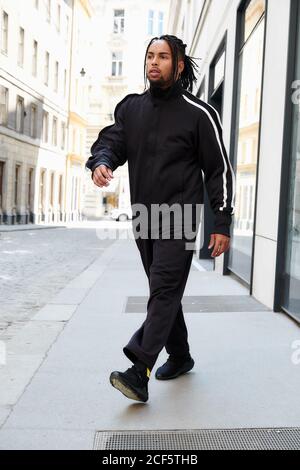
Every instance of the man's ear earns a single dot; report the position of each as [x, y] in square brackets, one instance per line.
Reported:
[180, 66]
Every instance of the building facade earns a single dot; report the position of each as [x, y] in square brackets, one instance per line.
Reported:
[80, 70]
[38, 78]
[122, 30]
[248, 54]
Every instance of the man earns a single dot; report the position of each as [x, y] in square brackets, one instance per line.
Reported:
[168, 136]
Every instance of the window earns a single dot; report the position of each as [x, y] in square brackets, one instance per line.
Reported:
[76, 90]
[21, 48]
[81, 144]
[251, 26]
[46, 70]
[155, 22]
[56, 77]
[45, 126]
[48, 10]
[30, 186]
[78, 39]
[33, 121]
[67, 27]
[74, 140]
[160, 23]
[42, 190]
[4, 38]
[1, 184]
[52, 190]
[58, 16]
[217, 77]
[116, 69]
[3, 105]
[65, 83]
[150, 21]
[54, 132]
[60, 193]
[20, 114]
[219, 70]
[74, 193]
[119, 21]
[63, 136]
[288, 290]
[34, 58]
[83, 98]
[16, 185]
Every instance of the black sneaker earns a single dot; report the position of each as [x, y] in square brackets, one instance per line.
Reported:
[133, 383]
[173, 368]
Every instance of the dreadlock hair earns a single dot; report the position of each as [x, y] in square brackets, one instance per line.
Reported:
[187, 76]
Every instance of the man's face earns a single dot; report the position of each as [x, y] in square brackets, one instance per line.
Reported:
[159, 64]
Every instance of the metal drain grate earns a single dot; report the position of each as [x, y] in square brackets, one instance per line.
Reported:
[204, 304]
[201, 439]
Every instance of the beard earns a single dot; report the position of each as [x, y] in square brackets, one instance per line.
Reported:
[161, 82]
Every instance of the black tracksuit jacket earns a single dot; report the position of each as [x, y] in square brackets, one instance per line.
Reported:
[169, 136]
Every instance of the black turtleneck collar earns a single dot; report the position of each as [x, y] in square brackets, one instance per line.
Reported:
[166, 93]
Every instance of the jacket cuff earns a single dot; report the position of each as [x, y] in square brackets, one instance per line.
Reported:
[102, 161]
[222, 223]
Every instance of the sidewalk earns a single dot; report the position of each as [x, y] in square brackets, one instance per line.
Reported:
[106, 220]
[16, 227]
[55, 391]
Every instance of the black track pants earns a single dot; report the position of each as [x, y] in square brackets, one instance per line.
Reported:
[167, 264]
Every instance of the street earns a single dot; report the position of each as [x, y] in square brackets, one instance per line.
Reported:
[36, 264]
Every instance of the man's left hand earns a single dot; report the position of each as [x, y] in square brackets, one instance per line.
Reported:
[220, 242]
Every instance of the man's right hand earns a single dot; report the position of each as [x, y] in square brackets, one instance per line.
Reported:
[102, 175]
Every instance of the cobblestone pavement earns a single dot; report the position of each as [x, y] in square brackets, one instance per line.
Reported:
[36, 264]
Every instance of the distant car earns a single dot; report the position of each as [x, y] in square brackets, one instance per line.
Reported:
[121, 214]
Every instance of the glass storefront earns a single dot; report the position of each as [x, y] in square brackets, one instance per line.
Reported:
[249, 90]
[291, 274]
